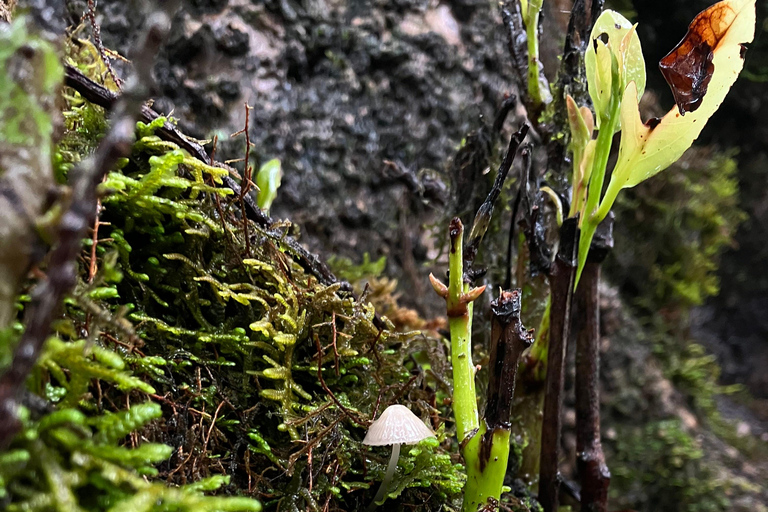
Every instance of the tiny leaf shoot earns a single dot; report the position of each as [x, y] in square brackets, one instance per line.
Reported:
[268, 180]
[700, 71]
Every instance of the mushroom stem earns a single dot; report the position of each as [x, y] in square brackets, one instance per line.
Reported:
[387, 477]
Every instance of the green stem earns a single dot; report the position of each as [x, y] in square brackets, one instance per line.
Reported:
[589, 217]
[602, 152]
[531, 31]
[460, 322]
[611, 193]
[484, 483]
[487, 452]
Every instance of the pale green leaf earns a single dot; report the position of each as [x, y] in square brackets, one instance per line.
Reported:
[268, 180]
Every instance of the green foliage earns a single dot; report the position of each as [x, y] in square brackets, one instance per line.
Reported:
[670, 232]
[616, 78]
[345, 269]
[83, 363]
[224, 337]
[660, 465]
[424, 466]
[623, 44]
[68, 461]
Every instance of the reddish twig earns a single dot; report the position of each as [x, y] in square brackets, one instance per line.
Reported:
[335, 348]
[593, 472]
[350, 414]
[246, 182]
[94, 242]
[561, 279]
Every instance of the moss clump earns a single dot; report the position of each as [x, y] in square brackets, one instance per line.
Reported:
[660, 466]
[671, 231]
[196, 353]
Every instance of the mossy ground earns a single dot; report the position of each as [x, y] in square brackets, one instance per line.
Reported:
[195, 353]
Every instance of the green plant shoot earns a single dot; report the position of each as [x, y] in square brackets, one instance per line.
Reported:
[700, 70]
[537, 91]
[268, 180]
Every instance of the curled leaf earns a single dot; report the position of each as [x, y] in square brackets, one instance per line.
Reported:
[689, 67]
[268, 180]
[581, 129]
[648, 148]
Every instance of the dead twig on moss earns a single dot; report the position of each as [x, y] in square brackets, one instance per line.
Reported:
[246, 182]
[105, 98]
[48, 296]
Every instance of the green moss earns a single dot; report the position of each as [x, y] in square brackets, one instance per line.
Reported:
[345, 269]
[671, 231]
[660, 466]
[215, 342]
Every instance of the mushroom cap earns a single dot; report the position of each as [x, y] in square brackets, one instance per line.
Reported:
[397, 425]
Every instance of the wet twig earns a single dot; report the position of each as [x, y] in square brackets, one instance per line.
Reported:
[485, 212]
[593, 472]
[48, 296]
[562, 278]
[525, 175]
[509, 338]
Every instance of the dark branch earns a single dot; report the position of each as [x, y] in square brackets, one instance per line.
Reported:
[48, 296]
[101, 96]
[485, 212]
[508, 341]
[522, 189]
[593, 471]
[561, 279]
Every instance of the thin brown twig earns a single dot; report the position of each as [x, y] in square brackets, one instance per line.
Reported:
[90, 15]
[404, 388]
[213, 424]
[92, 266]
[374, 349]
[311, 263]
[350, 414]
[308, 446]
[309, 464]
[246, 183]
[335, 348]
[48, 296]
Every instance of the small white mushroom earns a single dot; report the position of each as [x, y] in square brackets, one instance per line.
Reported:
[397, 425]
